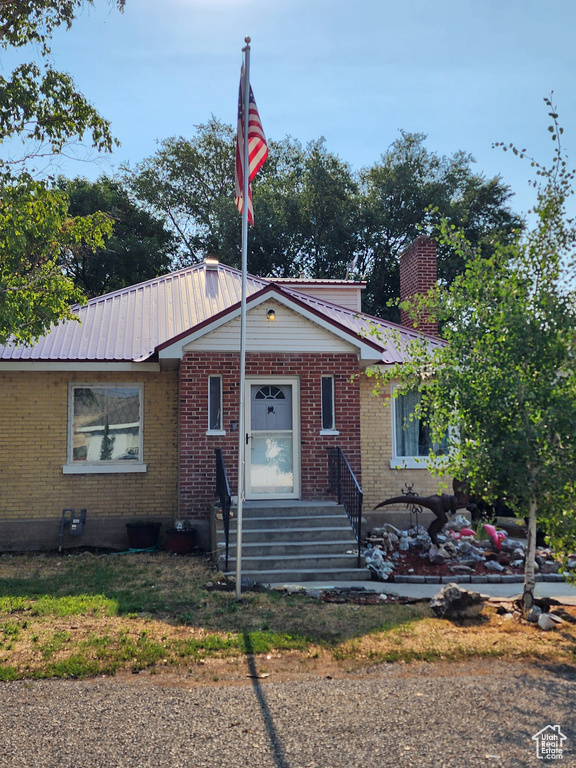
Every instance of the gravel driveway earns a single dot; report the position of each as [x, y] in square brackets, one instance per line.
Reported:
[426, 716]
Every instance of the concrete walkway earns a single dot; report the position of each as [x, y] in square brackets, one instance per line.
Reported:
[561, 591]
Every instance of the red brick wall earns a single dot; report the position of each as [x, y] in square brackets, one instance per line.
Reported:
[418, 273]
[197, 462]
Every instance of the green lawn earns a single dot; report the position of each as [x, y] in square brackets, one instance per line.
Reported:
[81, 615]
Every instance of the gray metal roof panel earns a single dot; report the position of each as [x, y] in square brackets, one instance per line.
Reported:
[129, 324]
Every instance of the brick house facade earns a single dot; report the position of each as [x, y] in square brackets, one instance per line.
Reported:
[166, 342]
[197, 447]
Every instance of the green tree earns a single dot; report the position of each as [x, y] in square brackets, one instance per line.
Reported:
[314, 214]
[304, 199]
[40, 104]
[138, 248]
[410, 191]
[190, 183]
[42, 108]
[307, 211]
[504, 385]
[34, 228]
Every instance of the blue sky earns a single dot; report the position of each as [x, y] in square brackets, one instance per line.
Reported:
[465, 72]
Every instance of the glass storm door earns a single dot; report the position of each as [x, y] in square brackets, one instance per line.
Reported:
[272, 444]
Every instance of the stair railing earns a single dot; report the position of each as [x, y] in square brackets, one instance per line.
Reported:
[223, 493]
[344, 485]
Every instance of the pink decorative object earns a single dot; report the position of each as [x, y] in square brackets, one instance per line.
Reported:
[496, 536]
[463, 532]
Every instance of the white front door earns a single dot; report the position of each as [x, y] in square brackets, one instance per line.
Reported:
[273, 439]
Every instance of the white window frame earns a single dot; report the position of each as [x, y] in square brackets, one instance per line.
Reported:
[323, 430]
[403, 462]
[75, 467]
[220, 431]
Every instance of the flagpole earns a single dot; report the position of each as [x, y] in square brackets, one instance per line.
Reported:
[242, 434]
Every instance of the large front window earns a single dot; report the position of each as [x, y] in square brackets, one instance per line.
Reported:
[412, 436]
[105, 429]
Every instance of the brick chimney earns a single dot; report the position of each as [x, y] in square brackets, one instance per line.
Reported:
[418, 273]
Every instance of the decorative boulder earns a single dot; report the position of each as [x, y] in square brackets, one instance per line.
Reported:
[548, 621]
[457, 523]
[454, 602]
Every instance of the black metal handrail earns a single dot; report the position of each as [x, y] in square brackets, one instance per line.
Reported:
[344, 485]
[223, 493]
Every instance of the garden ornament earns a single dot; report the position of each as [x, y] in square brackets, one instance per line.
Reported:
[441, 505]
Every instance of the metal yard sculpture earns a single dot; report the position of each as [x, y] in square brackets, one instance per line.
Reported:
[441, 505]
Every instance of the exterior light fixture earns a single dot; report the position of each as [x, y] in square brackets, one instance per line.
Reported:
[271, 315]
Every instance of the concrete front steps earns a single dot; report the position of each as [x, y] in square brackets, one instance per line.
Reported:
[292, 541]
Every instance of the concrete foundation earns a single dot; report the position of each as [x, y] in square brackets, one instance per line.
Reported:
[102, 532]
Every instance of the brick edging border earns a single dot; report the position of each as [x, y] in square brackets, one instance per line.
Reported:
[495, 578]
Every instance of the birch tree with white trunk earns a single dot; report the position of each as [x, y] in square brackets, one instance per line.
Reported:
[503, 388]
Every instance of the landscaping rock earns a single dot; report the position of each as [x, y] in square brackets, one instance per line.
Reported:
[389, 528]
[534, 614]
[461, 569]
[376, 562]
[547, 621]
[438, 555]
[422, 542]
[460, 551]
[454, 602]
[457, 523]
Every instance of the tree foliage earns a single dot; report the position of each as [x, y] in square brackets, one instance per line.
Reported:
[410, 191]
[41, 108]
[314, 214]
[138, 248]
[188, 183]
[504, 385]
[34, 21]
[34, 228]
[40, 104]
[306, 202]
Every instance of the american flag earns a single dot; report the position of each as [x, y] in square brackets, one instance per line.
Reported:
[257, 150]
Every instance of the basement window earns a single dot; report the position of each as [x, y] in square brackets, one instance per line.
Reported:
[104, 428]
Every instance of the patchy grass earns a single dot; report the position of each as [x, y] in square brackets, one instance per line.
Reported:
[85, 615]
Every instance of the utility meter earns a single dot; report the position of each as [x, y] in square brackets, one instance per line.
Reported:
[74, 521]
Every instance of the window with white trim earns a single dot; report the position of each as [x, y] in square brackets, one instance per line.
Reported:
[412, 438]
[215, 405]
[327, 405]
[105, 428]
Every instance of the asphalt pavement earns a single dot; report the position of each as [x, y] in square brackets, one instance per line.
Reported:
[478, 714]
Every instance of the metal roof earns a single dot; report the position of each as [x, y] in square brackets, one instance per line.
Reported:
[129, 324]
[320, 281]
[392, 339]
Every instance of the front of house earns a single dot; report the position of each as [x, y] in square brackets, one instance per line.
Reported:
[121, 412]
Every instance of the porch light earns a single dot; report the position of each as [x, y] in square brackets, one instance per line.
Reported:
[271, 315]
